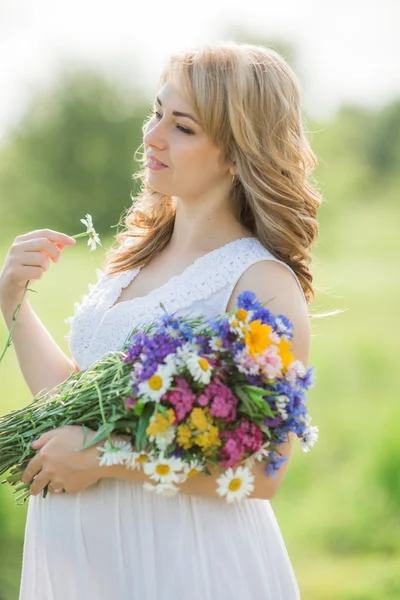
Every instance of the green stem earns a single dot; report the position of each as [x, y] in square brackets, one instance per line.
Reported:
[14, 321]
[103, 416]
[79, 235]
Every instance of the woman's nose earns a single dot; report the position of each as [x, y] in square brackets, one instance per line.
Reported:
[155, 136]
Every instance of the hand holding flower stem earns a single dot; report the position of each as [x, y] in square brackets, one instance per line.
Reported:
[92, 241]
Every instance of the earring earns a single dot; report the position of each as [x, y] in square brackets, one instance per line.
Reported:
[233, 179]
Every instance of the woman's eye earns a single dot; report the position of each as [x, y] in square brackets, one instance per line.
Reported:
[184, 129]
[158, 116]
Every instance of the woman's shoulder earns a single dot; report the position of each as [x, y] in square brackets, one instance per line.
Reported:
[276, 285]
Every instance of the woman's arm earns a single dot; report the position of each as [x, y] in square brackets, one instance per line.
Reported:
[42, 362]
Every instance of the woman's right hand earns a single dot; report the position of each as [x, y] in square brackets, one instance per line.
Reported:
[28, 258]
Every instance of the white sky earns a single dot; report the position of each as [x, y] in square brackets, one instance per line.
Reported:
[348, 50]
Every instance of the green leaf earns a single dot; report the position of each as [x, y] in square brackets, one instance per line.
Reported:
[101, 433]
[141, 436]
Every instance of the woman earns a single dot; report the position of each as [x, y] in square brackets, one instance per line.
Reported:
[226, 206]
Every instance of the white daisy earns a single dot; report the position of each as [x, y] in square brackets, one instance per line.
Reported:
[91, 233]
[164, 470]
[216, 344]
[200, 369]
[185, 352]
[258, 456]
[165, 489]
[193, 467]
[115, 454]
[157, 385]
[172, 363]
[309, 438]
[237, 326]
[236, 485]
[136, 460]
[165, 438]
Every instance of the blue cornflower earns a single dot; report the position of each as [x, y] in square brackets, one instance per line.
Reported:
[283, 326]
[247, 300]
[265, 316]
[275, 461]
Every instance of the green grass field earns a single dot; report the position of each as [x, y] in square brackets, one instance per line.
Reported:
[338, 508]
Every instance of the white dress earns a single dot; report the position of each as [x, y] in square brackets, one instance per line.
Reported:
[115, 540]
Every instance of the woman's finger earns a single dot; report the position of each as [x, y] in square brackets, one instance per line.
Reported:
[40, 245]
[39, 483]
[43, 439]
[53, 236]
[35, 259]
[33, 468]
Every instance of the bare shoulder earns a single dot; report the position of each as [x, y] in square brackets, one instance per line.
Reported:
[275, 284]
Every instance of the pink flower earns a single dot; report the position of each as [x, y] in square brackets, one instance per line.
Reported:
[270, 362]
[250, 435]
[232, 451]
[130, 402]
[221, 399]
[246, 363]
[182, 399]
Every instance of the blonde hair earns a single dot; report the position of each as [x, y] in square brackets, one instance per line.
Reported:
[247, 99]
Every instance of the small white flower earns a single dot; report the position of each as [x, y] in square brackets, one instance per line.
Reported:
[258, 456]
[164, 470]
[171, 362]
[295, 370]
[136, 460]
[237, 327]
[183, 353]
[115, 454]
[157, 385]
[274, 337]
[193, 467]
[165, 489]
[309, 438]
[216, 344]
[236, 485]
[199, 368]
[165, 438]
[281, 403]
[91, 232]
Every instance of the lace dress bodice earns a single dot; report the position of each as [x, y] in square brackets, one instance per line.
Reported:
[100, 325]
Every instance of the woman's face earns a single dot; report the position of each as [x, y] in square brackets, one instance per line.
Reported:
[182, 161]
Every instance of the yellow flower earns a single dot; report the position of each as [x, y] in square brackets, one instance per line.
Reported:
[241, 314]
[287, 357]
[257, 337]
[159, 423]
[209, 440]
[184, 437]
[198, 419]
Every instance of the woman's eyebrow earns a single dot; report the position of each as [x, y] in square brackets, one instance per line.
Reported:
[177, 113]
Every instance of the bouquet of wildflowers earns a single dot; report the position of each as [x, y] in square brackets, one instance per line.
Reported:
[188, 394]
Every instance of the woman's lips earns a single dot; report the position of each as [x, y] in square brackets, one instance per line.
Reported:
[155, 165]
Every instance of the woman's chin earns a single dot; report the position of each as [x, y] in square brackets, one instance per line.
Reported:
[157, 186]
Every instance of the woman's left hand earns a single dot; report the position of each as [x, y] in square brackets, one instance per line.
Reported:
[59, 464]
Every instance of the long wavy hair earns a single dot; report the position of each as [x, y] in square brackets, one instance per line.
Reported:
[247, 100]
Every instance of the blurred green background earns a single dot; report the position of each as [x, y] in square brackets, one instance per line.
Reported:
[338, 509]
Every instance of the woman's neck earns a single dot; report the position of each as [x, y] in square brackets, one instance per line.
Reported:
[200, 229]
